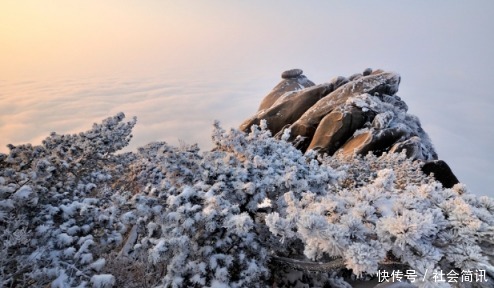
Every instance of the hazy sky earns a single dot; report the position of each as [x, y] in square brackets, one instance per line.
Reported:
[178, 65]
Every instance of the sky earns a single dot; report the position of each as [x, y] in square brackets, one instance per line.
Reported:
[178, 66]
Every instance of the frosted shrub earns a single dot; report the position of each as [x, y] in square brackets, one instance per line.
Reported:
[382, 210]
[201, 220]
[252, 212]
[54, 212]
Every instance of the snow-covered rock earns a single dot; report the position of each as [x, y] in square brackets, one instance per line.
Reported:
[354, 115]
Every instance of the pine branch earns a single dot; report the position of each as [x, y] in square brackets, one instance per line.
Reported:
[331, 266]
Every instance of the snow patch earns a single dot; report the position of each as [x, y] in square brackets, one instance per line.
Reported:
[103, 281]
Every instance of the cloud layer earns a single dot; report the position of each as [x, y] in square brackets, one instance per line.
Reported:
[167, 109]
[171, 109]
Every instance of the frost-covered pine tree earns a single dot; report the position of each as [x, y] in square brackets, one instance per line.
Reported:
[56, 215]
[252, 212]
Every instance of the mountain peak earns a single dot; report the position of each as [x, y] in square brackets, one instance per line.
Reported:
[358, 114]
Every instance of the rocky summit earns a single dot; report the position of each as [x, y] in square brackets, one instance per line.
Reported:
[254, 211]
[348, 116]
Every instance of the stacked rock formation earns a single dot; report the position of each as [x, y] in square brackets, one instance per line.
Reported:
[348, 116]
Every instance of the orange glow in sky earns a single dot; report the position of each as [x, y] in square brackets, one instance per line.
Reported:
[60, 38]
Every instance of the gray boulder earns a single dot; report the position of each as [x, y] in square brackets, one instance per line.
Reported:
[358, 114]
[336, 128]
[377, 141]
[367, 72]
[293, 80]
[288, 108]
[441, 171]
[412, 146]
[306, 125]
[396, 101]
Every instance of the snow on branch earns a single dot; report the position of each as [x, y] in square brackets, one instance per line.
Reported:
[75, 213]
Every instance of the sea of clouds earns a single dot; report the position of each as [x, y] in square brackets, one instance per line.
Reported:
[175, 108]
[167, 108]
